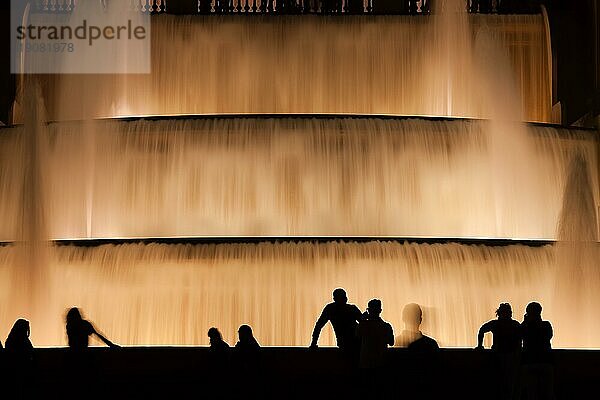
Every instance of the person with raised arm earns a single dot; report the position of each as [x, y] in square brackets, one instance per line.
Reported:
[506, 345]
[506, 332]
[79, 330]
[375, 336]
[344, 318]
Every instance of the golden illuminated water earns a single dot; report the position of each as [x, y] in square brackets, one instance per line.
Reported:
[295, 176]
[316, 64]
[172, 294]
[300, 176]
[258, 176]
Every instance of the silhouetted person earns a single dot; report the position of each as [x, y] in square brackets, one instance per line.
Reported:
[537, 369]
[246, 342]
[248, 363]
[375, 336]
[18, 341]
[506, 336]
[217, 344]
[344, 318]
[506, 332]
[219, 362]
[411, 337]
[19, 352]
[79, 330]
[421, 367]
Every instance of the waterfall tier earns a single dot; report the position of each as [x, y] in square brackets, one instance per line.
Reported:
[298, 176]
[399, 65]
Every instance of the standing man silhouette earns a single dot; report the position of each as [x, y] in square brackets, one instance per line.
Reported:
[375, 335]
[344, 318]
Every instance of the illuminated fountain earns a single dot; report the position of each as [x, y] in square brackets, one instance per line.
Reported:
[230, 182]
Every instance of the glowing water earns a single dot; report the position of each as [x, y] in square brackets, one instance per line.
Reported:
[293, 176]
[283, 176]
[303, 176]
[313, 64]
[160, 294]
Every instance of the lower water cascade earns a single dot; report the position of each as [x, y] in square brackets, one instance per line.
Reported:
[171, 294]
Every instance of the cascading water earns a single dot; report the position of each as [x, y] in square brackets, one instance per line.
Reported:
[300, 176]
[297, 176]
[172, 294]
[326, 176]
[314, 64]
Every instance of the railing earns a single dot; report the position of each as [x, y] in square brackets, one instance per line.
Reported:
[504, 6]
[327, 7]
[67, 6]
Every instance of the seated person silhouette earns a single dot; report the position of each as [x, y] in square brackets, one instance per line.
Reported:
[344, 318]
[375, 336]
[537, 370]
[79, 330]
[246, 343]
[411, 337]
[246, 359]
[506, 332]
[19, 360]
[18, 343]
[218, 361]
[217, 344]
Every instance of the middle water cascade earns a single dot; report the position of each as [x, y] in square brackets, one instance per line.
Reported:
[256, 176]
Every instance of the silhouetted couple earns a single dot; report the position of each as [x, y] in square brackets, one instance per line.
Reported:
[522, 349]
[355, 331]
[366, 336]
[246, 343]
[245, 357]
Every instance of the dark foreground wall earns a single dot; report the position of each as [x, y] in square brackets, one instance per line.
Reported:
[282, 373]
